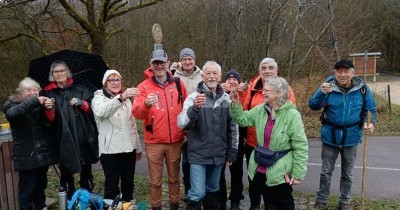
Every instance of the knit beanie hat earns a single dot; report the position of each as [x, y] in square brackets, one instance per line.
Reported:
[108, 73]
[187, 52]
[232, 73]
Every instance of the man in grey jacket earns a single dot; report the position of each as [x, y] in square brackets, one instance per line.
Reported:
[212, 137]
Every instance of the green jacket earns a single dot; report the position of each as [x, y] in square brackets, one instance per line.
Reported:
[288, 133]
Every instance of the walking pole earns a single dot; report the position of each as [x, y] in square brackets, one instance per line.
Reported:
[364, 171]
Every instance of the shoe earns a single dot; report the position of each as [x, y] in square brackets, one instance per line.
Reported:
[174, 206]
[320, 206]
[235, 205]
[343, 206]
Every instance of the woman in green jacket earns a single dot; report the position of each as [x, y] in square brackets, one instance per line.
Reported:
[279, 127]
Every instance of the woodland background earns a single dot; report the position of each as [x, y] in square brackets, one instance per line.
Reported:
[306, 37]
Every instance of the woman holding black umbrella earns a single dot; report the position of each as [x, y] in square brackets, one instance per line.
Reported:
[77, 143]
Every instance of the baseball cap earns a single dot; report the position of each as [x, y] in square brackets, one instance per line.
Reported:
[344, 63]
[158, 55]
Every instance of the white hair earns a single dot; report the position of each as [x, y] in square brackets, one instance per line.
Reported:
[212, 63]
[27, 83]
[280, 86]
[268, 60]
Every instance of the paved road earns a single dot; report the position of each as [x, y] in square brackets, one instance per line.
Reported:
[383, 169]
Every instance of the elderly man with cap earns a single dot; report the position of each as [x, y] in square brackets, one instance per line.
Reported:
[191, 75]
[233, 84]
[345, 100]
[119, 147]
[159, 103]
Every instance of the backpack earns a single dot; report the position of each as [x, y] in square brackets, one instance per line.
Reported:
[323, 118]
[86, 200]
[179, 88]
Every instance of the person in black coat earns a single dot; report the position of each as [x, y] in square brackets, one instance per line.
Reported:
[33, 141]
[73, 119]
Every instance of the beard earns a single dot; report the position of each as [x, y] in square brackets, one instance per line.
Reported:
[212, 84]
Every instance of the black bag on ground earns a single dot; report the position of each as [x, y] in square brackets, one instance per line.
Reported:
[267, 157]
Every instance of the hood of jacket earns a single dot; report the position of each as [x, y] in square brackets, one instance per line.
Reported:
[182, 73]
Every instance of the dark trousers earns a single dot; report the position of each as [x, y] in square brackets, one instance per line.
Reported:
[185, 168]
[236, 170]
[31, 188]
[116, 167]
[254, 192]
[67, 179]
[277, 197]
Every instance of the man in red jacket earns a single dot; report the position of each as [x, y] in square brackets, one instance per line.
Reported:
[159, 103]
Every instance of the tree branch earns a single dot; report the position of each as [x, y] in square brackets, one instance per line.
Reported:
[74, 14]
[35, 38]
[116, 13]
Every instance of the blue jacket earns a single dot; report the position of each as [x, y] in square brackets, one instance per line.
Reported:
[345, 112]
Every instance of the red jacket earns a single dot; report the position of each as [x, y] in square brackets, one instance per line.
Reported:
[254, 97]
[160, 121]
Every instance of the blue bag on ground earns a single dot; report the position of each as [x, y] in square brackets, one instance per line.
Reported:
[86, 200]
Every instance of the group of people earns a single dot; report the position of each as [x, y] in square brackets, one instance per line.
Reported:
[191, 116]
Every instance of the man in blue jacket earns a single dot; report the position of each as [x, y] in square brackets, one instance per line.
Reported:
[345, 100]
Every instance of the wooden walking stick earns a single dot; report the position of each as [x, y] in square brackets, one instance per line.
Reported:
[364, 171]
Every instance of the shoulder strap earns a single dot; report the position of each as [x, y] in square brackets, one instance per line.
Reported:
[179, 88]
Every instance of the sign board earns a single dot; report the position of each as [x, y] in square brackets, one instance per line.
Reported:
[370, 63]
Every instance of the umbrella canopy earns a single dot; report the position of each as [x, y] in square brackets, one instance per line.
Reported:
[87, 69]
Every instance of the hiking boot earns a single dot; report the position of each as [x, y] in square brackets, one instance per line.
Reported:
[320, 206]
[343, 206]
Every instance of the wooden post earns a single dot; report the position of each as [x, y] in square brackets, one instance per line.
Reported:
[364, 171]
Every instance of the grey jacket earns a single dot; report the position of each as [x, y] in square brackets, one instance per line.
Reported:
[212, 133]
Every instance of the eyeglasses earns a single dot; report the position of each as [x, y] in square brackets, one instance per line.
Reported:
[59, 71]
[157, 63]
[115, 81]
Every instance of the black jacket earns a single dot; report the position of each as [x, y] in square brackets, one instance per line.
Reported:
[77, 135]
[33, 139]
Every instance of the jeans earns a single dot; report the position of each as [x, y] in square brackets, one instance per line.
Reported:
[329, 155]
[203, 178]
[156, 155]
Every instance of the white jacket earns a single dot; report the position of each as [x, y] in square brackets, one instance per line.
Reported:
[116, 124]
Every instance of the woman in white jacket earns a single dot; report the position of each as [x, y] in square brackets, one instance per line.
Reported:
[119, 144]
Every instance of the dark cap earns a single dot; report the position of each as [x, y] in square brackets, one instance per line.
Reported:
[232, 73]
[345, 63]
[158, 55]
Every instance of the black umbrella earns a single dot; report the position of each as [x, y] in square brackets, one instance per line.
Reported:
[87, 69]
